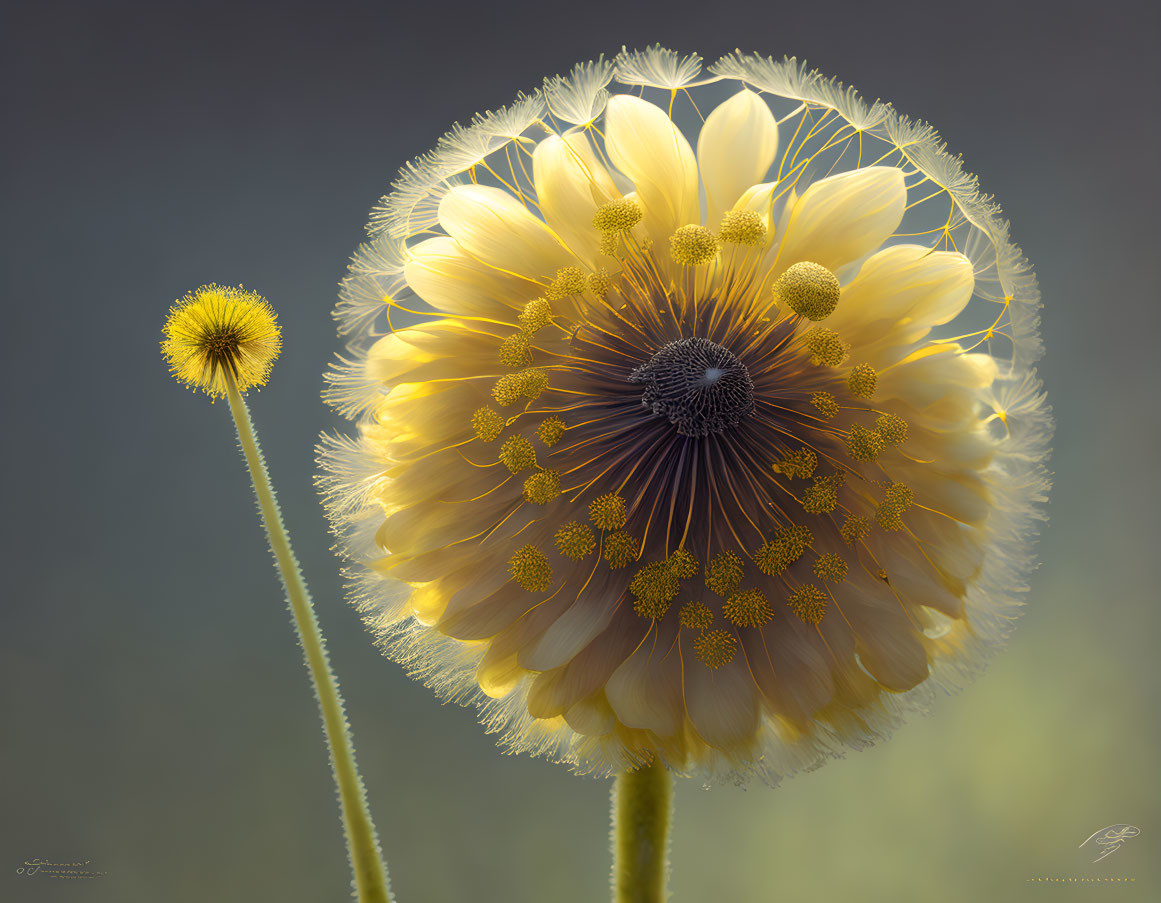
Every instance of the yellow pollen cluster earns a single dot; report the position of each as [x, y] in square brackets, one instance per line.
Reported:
[826, 405]
[724, 573]
[892, 428]
[517, 454]
[653, 587]
[620, 549]
[861, 380]
[683, 564]
[218, 333]
[487, 424]
[530, 568]
[822, 497]
[799, 464]
[826, 347]
[599, 283]
[830, 566]
[715, 648]
[608, 511]
[787, 546]
[620, 215]
[542, 487]
[808, 602]
[550, 431]
[514, 351]
[567, 281]
[748, 609]
[575, 540]
[855, 529]
[693, 245]
[535, 315]
[742, 227]
[695, 616]
[511, 387]
[864, 444]
[809, 289]
[896, 500]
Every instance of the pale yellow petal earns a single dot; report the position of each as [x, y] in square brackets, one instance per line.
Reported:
[644, 145]
[571, 183]
[496, 228]
[444, 275]
[842, 218]
[736, 147]
[722, 703]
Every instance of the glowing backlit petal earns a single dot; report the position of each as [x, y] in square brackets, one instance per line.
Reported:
[735, 148]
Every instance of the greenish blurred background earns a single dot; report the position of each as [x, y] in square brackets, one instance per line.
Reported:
[156, 718]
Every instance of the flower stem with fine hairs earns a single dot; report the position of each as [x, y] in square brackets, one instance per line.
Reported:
[371, 884]
[642, 811]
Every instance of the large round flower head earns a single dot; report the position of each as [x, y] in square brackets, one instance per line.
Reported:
[710, 439]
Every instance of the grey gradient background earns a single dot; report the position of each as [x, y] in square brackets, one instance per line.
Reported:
[155, 716]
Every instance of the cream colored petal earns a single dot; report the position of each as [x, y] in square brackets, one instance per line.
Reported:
[449, 279]
[495, 228]
[735, 149]
[842, 218]
[571, 183]
[899, 294]
[722, 704]
[592, 716]
[644, 145]
[645, 692]
[576, 628]
[790, 669]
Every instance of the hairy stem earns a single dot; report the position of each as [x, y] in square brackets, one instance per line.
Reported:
[371, 885]
[642, 811]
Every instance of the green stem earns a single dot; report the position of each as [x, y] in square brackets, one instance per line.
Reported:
[642, 811]
[362, 843]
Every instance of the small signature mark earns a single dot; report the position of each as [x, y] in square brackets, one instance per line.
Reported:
[48, 868]
[1109, 840]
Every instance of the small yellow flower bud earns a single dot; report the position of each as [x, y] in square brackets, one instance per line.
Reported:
[695, 616]
[620, 215]
[861, 380]
[715, 648]
[826, 405]
[683, 564]
[693, 245]
[808, 602]
[724, 573]
[788, 545]
[620, 549]
[892, 428]
[568, 281]
[599, 283]
[514, 351]
[799, 464]
[825, 347]
[535, 315]
[855, 529]
[511, 387]
[575, 540]
[517, 454]
[653, 587]
[830, 566]
[551, 431]
[809, 289]
[864, 444]
[217, 333]
[487, 424]
[608, 511]
[542, 487]
[742, 227]
[748, 609]
[896, 500]
[529, 567]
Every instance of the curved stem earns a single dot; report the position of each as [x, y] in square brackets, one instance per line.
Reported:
[642, 811]
[371, 884]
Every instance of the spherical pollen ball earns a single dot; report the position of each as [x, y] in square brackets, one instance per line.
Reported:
[808, 289]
